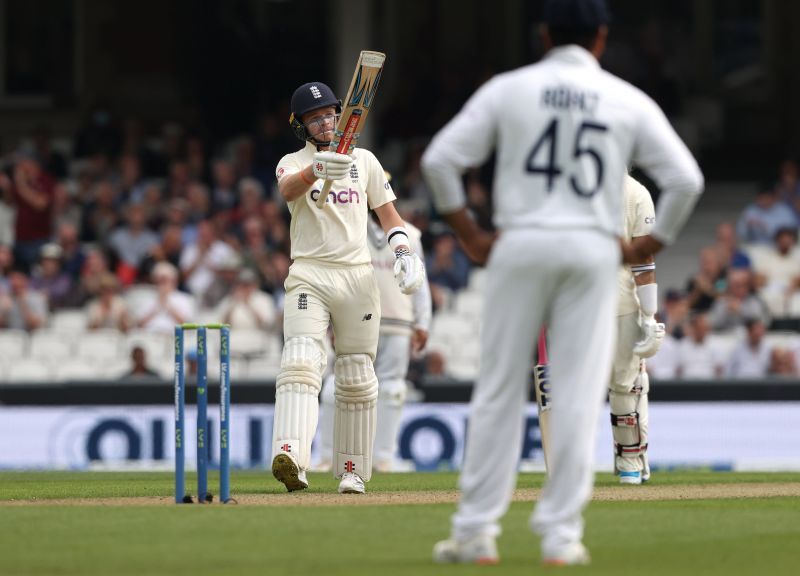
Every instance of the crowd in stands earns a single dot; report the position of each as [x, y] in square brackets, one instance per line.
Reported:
[201, 226]
[737, 316]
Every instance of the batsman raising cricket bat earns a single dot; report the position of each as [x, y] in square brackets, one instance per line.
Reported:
[357, 104]
[331, 281]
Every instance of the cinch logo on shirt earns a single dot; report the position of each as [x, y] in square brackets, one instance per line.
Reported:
[348, 196]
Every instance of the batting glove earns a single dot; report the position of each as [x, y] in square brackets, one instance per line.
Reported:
[653, 334]
[408, 271]
[331, 165]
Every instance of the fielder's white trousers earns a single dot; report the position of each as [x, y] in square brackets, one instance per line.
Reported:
[567, 279]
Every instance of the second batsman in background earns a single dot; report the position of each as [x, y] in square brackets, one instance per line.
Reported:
[405, 323]
[638, 337]
[331, 281]
[565, 132]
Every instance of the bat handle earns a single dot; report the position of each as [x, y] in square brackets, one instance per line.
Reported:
[542, 346]
[323, 195]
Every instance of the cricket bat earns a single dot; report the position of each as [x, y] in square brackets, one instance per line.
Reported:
[356, 107]
[541, 385]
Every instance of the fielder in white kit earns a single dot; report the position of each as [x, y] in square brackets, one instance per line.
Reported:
[639, 336]
[565, 132]
[331, 281]
[405, 323]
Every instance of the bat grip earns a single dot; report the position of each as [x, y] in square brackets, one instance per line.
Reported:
[323, 195]
[542, 356]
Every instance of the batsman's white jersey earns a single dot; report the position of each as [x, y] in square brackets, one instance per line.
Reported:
[639, 216]
[565, 132]
[336, 236]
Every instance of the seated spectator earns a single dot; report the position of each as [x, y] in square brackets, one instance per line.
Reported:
[447, 266]
[95, 267]
[698, 357]
[751, 358]
[101, 216]
[169, 306]
[49, 279]
[763, 218]
[225, 280]
[675, 313]
[167, 250]
[139, 368]
[20, 307]
[729, 253]
[738, 303]
[788, 186]
[73, 255]
[782, 363]
[247, 307]
[705, 286]
[132, 243]
[223, 193]
[109, 309]
[778, 272]
[201, 259]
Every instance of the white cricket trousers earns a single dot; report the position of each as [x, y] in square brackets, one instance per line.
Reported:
[566, 278]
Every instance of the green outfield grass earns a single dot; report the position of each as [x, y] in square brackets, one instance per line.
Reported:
[674, 537]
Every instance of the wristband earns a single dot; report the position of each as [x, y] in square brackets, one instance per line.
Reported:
[397, 237]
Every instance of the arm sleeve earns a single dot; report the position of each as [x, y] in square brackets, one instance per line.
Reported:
[379, 191]
[662, 154]
[466, 141]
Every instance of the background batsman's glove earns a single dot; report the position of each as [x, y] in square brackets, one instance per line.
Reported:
[331, 165]
[652, 336]
[408, 271]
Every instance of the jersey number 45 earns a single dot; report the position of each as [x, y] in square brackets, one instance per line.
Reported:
[547, 144]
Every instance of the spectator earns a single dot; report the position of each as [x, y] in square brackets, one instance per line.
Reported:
[168, 306]
[65, 206]
[196, 158]
[200, 260]
[109, 309]
[131, 183]
[751, 358]
[167, 250]
[179, 179]
[251, 193]
[73, 255]
[777, 272]
[223, 193]
[49, 278]
[729, 254]
[698, 357]
[703, 288]
[198, 207]
[675, 313]
[33, 191]
[225, 280]
[101, 216]
[52, 162]
[20, 307]
[738, 304]
[94, 269]
[447, 266]
[761, 219]
[247, 307]
[132, 243]
[139, 368]
[6, 265]
[782, 363]
[788, 186]
[7, 211]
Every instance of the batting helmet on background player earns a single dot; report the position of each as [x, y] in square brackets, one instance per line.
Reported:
[309, 97]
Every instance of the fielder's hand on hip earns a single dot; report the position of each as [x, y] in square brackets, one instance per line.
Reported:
[331, 165]
[408, 270]
[653, 334]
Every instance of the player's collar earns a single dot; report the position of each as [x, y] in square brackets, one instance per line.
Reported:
[573, 54]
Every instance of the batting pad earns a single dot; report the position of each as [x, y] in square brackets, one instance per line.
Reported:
[356, 414]
[296, 399]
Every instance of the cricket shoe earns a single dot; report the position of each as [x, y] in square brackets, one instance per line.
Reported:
[286, 470]
[481, 549]
[351, 483]
[574, 554]
[630, 477]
